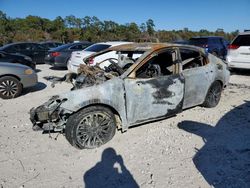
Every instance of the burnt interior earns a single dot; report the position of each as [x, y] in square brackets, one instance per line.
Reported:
[191, 59]
[159, 65]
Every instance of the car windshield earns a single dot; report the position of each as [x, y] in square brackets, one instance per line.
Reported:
[97, 47]
[242, 40]
[198, 41]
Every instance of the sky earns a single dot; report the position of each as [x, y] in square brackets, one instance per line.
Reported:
[229, 15]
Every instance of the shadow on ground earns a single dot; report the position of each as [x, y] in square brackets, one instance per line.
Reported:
[243, 72]
[224, 160]
[110, 172]
[38, 87]
[38, 70]
[58, 68]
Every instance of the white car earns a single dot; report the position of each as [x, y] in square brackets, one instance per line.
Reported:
[77, 57]
[239, 52]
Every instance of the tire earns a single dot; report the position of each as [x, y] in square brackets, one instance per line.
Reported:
[10, 87]
[213, 95]
[91, 127]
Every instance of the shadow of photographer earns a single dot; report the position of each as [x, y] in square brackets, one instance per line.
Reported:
[110, 172]
[224, 160]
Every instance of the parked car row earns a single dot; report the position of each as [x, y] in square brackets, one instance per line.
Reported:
[212, 44]
[59, 56]
[74, 54]
[35, 51]
[236, 53]
[78, 57]
[17, 58]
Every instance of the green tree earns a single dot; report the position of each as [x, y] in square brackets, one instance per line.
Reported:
[150, 27]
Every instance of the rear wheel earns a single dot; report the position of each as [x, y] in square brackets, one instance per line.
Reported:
[213, 95]
[10, 87]
[91, 127]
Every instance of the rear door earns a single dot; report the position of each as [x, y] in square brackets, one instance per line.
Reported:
[157, 89]
[241, 51]
[197, 76]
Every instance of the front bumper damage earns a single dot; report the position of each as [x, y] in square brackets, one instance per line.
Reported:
[50, 116]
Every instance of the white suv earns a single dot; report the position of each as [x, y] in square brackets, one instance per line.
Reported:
[77, 57]
[239, 52]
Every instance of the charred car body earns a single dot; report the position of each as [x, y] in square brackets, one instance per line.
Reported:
[163, 81]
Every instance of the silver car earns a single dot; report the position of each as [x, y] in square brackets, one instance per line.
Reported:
[15, 77]
[165, 80]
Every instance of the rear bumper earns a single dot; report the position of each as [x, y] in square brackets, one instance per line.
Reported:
[60, 64]
[72, 67]
[55, 63]
[48, 62]
[239, 65]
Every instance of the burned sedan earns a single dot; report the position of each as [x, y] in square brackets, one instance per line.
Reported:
[165, 80]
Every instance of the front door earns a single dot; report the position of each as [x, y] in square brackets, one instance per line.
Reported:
[156, 91]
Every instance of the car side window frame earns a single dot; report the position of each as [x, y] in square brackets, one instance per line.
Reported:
[75, 47]
[175, 58]
[202, 58]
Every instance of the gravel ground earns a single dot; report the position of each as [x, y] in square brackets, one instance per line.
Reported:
[197, 148]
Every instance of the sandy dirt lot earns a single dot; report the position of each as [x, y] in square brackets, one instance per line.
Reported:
[197, 148]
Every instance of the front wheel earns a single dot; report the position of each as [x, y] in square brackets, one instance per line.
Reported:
[213, 95]
[10, 87]
[91, 127]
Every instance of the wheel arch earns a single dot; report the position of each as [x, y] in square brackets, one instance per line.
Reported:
[216, 80]
[118, 117]
[12, 75]
[220, 81]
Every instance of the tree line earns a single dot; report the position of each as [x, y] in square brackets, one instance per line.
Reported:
[71, 28]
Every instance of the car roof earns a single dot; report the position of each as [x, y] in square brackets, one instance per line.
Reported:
[46, 42]
[13, 65]
[64, 46]
[148, 46]
[114, 43]
[245, 33]
[14, 43]
[206, 37]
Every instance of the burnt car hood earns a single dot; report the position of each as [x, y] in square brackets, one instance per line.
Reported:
[105, 92]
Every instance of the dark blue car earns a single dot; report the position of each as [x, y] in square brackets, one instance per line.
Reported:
[213, 44]
[58, 57]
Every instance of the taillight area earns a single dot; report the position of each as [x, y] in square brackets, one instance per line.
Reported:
[91, 61]
[233, 47]
[55, 54]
